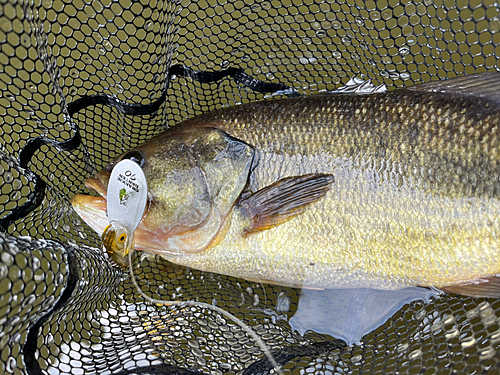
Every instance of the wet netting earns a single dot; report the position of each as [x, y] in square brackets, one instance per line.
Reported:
[82, 81]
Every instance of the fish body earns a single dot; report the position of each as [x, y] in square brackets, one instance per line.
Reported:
[412, 195]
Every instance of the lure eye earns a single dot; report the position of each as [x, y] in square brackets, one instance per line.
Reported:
[122, 238]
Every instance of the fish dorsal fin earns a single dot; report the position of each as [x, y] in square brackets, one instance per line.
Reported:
[488, 286]
[481, 85]
[283, 200]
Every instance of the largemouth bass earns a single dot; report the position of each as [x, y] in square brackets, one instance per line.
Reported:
[331, 191]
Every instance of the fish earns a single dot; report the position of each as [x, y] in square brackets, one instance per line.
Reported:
[383, 190]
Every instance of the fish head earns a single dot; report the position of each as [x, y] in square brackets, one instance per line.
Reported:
[194, 176]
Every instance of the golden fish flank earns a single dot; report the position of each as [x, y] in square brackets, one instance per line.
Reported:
[382, 190]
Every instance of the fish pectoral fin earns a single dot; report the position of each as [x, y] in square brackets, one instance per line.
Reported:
[482, 85]
[281, 201]
[488, 286]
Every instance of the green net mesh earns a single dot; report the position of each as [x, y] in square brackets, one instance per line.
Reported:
[83, 81]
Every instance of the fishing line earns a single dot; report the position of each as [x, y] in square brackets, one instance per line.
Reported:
[228, 315]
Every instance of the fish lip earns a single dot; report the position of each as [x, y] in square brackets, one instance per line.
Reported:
[92, 210]
[99, 183]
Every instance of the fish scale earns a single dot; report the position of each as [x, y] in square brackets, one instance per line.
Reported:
[415, 197]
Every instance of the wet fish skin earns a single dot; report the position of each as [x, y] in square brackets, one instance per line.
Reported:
[415, 198]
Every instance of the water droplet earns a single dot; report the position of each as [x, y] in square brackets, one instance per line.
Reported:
[7, 259]
[8, 177]
[4, 271]
[346, 40]
[64, 178]
[73, 91]
[359, 21]
[49, 339]
[107, 71]
[10, 97]
[146, 67]
[29, 300]
[15, 196]
[270, 76]
[336, 24]
[11, 365]
[321, 33]
[82, 235]
[375, 15]
[25, 40]
[148, 25]
[59, 279]
[17, 184]
[87, 59]
[210, 64]
[32, 87]
[59, 127]
[101, 50]
[306, 40]
[336, 55]
[224, 64]
[120, 64]
[468, 342]
[387, 13]
[246, 10]
[404, 51]
[107, 45]
[245, 58]
[411, 40]
[74, 73]
[119, 88]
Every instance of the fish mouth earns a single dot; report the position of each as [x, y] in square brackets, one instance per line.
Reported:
[99, 183]
[93, 210]
[90, 208]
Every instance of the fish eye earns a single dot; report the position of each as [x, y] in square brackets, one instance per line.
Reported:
[136, 156]
[122, 238]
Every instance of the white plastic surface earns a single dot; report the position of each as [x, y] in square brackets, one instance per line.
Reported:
[127, 194]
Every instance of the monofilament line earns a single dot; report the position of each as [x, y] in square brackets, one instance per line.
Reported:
[227, 314]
